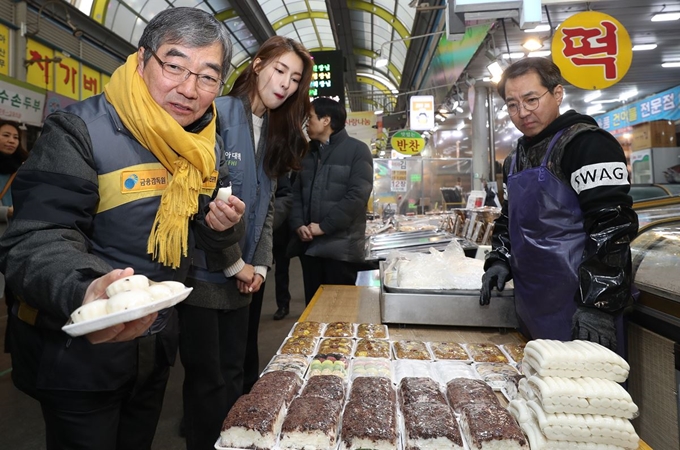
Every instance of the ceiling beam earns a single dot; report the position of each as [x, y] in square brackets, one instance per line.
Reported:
[255, 19]
[338, 14]
[425, 21]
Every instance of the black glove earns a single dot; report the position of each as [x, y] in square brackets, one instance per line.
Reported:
[496, 275]
[591, 324]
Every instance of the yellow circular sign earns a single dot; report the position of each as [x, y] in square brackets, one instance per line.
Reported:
[592, 49]
[407, 142]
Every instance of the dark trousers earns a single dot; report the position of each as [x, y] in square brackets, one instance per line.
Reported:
[104, 419]
[212, 349]
[251, 367]
[317, 271]
[281, 266]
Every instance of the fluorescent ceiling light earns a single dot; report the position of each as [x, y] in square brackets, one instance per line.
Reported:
[539, 54]
[381, 62]
[665, 17]
[538, 29]
[496, 71]
[628, 94]
[514, 55]
[459, 109]
[640, 47]
[606, 101]
[532, 44]
[594, 110]
[671, 64]
[377, 112]
[443, 110]
[592, 96]
[486, 79]
[460, 126]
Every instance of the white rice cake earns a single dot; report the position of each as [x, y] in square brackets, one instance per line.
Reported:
[594, 428]
[253, 422]
[583, 396]
[491, 427]
[527, 421]
[311, 422]
[573, 359]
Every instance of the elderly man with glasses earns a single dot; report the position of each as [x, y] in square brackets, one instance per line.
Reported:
[121, 183]
[566, 224]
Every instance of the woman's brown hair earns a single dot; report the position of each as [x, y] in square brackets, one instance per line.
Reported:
[286, 141]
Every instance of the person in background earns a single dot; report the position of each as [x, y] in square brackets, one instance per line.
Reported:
[284, 203]
[12, 156]
[566, 225]
[330, 196]
[260, 122]
[83, 220]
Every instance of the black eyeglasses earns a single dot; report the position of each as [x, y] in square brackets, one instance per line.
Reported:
[529, 104]
[178, 73]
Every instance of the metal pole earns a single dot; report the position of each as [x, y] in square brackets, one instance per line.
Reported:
[492, 140]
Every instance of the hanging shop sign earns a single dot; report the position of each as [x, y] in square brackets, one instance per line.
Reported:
[21, 102]
[328, 76]
[593, 50]
[4, 50]
[421, 113]
[407, 142]
[56, 71]
[359, 125]
[662, 106]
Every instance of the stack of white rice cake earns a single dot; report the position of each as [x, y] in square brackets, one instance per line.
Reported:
[572, 398]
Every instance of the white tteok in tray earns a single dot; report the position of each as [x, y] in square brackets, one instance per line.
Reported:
[109, 320]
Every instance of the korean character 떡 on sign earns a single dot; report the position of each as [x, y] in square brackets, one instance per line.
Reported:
[580, 50]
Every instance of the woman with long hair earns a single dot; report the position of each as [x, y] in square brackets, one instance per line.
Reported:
[12, 156]
[260, 122]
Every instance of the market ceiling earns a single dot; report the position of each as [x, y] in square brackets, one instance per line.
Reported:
[412, 35]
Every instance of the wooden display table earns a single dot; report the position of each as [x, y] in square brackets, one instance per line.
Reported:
[361, 305]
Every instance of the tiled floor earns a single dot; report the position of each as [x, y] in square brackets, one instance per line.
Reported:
[21, 425]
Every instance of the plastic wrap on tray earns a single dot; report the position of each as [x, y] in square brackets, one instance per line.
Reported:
[344, 346]
[372, 348]
[328, 364]
[339, 329]
[445, 371]
[449, 351]
[371, 367]
[495, 374]
[325, 386]
[313, 329]
[514, 351]
[299, 346]
[411, 368]
[293, 363]
[372, 331]
[484, 352]
[420, 390]
[411, 350]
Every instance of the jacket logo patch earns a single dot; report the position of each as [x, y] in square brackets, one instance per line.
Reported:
[596, 175]
[143, 180]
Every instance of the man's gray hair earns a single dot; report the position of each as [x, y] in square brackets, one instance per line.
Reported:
[191, 27]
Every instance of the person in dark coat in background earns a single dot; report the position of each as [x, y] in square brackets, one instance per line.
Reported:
[282, 235]
[566, 225]
[330, 196]
[283, 200]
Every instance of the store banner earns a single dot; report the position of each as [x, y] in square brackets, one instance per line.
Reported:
[90, 82]
[662, 106]
[408, 142]
[593, 50]
[41, 65]
[421, 112]
[67, 77]
[21, 102]
[4, 50]
[359, 125]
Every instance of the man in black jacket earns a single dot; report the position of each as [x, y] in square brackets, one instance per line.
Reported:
[329, 200]
[566, 225]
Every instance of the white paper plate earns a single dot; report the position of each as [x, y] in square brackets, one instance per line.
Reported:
[109, 320]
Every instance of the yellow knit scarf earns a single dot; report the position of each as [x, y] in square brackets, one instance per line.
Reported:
[189, 157]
